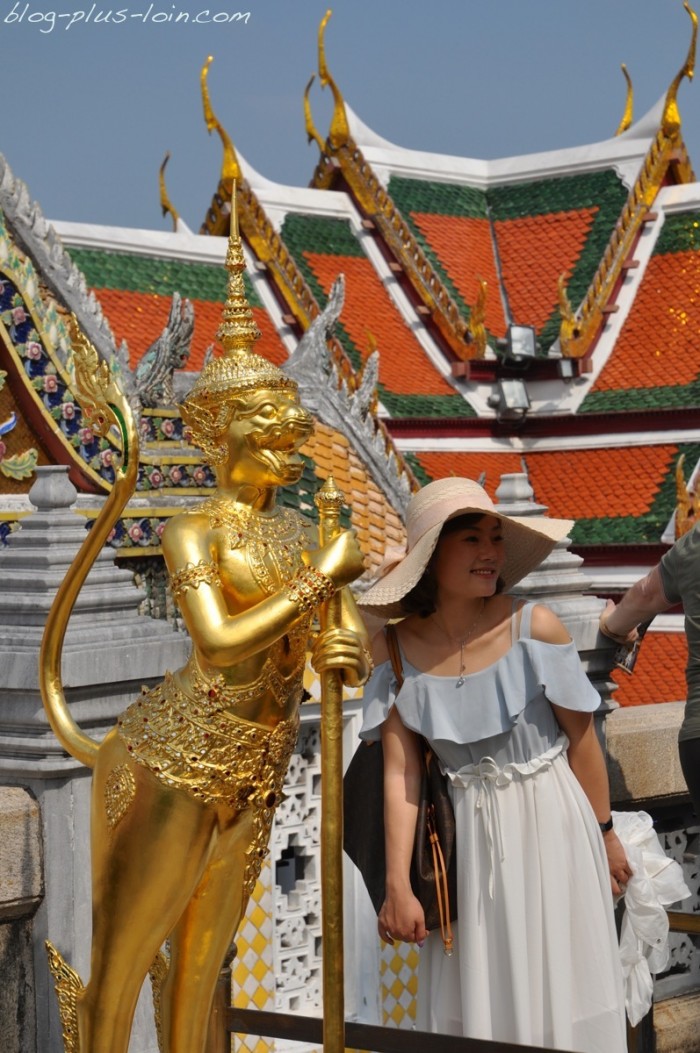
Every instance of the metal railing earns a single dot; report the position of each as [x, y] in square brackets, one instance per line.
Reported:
[228, 1020]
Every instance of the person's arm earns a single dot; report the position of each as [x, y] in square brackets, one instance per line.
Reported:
[640, 603]
[585, 755]
[401, 916]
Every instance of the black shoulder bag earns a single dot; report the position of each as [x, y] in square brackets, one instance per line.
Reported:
[434, 863]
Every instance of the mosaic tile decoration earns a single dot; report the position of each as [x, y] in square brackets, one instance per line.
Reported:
[409, 385]
[622, 496]
[457, 227]
[135, 292]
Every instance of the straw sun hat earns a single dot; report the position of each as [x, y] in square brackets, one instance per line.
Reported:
[528, 540]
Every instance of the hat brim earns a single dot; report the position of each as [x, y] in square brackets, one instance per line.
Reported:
[528, 541]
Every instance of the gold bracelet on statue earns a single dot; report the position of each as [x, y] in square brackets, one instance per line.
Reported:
[192, 576]
[309, 588]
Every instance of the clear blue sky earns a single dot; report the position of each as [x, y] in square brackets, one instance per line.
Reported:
[89, 109]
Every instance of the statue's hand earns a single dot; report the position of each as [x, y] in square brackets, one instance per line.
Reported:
[344, 650]
[341, 559]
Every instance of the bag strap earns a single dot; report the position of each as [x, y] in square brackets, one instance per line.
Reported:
[392, 643]
[439, 868]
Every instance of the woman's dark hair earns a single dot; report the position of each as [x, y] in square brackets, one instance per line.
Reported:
[422, 599]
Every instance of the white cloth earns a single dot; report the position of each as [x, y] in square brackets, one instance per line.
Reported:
[656, 883]
[536, 959]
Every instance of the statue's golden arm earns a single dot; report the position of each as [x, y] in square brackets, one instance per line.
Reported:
[224, 639]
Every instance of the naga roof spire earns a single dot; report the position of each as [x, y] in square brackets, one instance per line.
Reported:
[340, 129]
[671, 120]
[230, 169]
[628, 115]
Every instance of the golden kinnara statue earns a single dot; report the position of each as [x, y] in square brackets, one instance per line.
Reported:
[185, 785]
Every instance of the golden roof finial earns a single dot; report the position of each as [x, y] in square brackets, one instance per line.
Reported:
[340, 129]
[311, 132]
[230, 169]
[627, 116]
[165, 202]
[206, 410]
[671, 120]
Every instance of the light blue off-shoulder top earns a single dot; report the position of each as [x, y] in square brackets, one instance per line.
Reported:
[502, 711]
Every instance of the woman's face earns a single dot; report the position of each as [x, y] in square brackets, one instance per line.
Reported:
[468, 560]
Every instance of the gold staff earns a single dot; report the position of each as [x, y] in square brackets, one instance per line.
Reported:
[329, 501]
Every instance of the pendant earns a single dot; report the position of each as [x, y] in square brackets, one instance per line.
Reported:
[460, 681]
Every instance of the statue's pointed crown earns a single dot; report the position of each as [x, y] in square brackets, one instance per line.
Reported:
[238, 369]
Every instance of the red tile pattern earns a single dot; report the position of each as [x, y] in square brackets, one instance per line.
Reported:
[572, 484]
[659, 675]
[139, 318]
[464, 247]
[660, 341]
[534, 252]
[404, 367]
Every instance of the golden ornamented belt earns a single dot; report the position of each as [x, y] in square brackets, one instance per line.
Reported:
[212, 754]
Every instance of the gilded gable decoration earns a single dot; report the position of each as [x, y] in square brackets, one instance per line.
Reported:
[376, 202]
[667, 151]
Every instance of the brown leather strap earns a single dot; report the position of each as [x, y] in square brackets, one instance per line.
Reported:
[392, 643]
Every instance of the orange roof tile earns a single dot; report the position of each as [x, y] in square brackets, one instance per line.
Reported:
[464, 247]
[139, 318]
[534, 252]
[659, 675]
[404, 367]
[573, 484]
[332, 454]
[659, 343]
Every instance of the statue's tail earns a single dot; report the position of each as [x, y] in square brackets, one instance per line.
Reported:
[104, 405]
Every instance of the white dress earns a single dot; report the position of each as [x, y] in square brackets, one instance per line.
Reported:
[536, 956]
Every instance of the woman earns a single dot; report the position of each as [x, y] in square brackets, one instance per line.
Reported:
[497, 688]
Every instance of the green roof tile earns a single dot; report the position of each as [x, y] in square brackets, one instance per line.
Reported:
[147, 274]
[680, 233]
[320, 234]
[441, 199]
[672, 397]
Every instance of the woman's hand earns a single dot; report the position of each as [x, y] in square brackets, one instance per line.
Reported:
[620, 870]
[344, 650]
[402, 918]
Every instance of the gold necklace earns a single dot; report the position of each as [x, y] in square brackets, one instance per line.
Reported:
[469, 633]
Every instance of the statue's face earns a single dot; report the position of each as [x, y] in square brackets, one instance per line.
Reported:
[265, 437]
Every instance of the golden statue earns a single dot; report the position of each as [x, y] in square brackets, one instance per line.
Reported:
[185, 785]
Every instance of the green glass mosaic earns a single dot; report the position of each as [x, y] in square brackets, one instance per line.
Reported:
[146, 274]
[680, 233]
